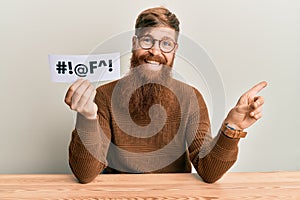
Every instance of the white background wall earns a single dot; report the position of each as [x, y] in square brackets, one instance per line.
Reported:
[248, 41]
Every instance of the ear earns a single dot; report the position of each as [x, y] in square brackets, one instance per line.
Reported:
[175, 49]
[134, 43]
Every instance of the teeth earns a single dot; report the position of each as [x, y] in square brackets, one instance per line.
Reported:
[153, 62]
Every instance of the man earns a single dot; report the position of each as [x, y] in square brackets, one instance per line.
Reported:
[148, 122]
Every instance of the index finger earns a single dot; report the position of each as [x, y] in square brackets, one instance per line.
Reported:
[257, 88]
[72, 89]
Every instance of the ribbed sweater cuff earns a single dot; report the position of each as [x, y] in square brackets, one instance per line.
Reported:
[88, 130]
[226, 149]
[227, 143]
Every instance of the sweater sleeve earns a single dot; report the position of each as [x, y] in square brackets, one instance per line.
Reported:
[89, 144]
[211, 157]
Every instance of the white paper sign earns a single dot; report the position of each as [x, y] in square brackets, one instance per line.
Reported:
[69, 68]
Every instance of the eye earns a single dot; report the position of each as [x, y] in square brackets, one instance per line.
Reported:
[167, 43]
[147, 40]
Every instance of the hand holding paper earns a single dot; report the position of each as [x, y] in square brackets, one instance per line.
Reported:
[80, 97]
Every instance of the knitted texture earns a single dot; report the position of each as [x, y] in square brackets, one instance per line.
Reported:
[119, 142]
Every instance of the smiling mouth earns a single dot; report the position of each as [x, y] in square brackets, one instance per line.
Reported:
[152, 62]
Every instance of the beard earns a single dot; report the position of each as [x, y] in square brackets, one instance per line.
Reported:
[151, 87]
[137, 66]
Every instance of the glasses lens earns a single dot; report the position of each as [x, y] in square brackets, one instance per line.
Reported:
[146, 42]
[167, 45]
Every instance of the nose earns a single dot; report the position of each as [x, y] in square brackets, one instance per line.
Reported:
[155, 49]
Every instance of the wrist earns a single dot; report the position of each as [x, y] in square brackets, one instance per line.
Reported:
[232, 132]
[90, 116]
[233, 126]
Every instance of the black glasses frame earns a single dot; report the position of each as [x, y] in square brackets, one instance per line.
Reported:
[153, 43]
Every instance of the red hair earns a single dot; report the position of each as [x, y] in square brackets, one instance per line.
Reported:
[155, 17]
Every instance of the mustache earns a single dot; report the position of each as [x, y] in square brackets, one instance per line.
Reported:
[156, 58]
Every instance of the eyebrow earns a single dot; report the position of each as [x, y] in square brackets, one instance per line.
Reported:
[164, 37]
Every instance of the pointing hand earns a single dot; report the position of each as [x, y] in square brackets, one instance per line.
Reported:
[248, 108]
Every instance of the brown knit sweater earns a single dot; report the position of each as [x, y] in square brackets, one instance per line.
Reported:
[103, 146]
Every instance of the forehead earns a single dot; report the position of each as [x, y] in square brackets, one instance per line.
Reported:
[159, 32]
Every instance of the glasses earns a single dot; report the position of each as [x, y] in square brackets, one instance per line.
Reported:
[166, 45]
